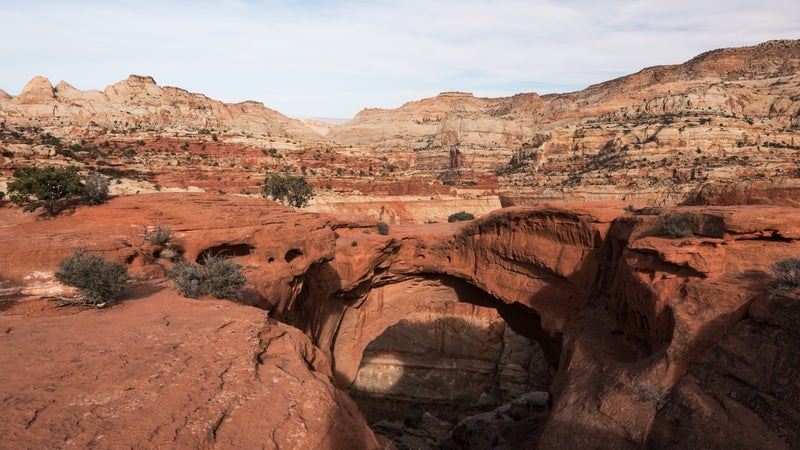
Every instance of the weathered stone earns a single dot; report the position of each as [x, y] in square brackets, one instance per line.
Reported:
[159, 370]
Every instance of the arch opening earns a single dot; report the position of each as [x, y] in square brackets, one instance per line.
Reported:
[292, 254]
[436, 348]
[225, 251]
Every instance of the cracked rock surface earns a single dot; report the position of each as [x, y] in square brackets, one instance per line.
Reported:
[161, 371]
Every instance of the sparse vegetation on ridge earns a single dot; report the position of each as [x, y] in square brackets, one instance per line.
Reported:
[289, 189]
[653, 394]
[787, 272]
[95, 188]
[460, 216]
[383, 228]
[676, 225]
[47, 187]
[158, 235]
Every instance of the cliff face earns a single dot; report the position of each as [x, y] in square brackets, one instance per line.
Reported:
[720, 128]
[625, 315]
[651, 137]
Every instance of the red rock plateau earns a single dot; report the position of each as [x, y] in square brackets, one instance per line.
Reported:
[643, 338]
[574, 317]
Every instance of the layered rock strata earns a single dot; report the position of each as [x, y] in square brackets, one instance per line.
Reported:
[662, 136]
[139, 103]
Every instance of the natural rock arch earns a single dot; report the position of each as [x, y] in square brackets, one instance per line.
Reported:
[518, 269]
[433, 343]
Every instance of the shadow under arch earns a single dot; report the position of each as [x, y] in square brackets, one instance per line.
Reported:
[438, 344]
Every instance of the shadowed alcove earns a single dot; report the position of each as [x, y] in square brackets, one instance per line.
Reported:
[436, 344]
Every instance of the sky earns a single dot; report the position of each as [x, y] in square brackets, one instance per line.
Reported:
[314, 58]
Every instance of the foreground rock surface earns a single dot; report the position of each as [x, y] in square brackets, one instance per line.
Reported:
[159, 371]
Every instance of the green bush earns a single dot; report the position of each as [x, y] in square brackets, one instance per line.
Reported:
[95, 188]
[35, 188]
[49, 139]
[291, 190]
[676, 225]
[787, 272]
[383, 228]
[99, 281]
[217, 276]
[459, 216]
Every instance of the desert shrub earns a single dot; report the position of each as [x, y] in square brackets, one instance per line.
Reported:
[224, 278]
[35, 188]
[217, 276]
[291, 190]
[787, 272]
[189, 279]
[383, 228]
[460, 216]
[95, 189]
[158, 235]
[676, 225]
[170, 254]
[99, 281]
[2, 195]
[49, 139]
[653, 394]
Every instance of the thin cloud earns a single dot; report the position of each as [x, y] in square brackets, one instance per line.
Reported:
[317, 58]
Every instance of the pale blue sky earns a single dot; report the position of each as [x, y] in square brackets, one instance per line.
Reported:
[331, 59]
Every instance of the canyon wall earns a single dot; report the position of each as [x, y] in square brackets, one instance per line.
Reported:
[625, 325]
[623, 312]
[650, 138]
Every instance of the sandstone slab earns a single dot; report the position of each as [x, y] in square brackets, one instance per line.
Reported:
[159, 370]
